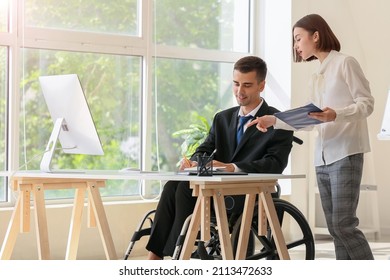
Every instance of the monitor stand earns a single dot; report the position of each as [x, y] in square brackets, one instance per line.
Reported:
[51, 145]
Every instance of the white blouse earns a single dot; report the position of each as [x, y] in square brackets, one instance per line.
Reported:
[340, 84]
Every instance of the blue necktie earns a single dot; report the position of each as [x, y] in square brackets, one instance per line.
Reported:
[240, 130]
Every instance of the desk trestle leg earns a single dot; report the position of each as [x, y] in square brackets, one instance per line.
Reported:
[275, 225]
[102, 223]
[41, 223]
[75, 225]
[12, 232]
[223, 231]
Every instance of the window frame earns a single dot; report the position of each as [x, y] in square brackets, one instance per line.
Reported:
[20, 36]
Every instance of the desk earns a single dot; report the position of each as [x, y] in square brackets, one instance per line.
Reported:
[36, 182]
[20, 220]
[251, 186]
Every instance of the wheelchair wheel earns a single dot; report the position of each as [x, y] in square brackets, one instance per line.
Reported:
[300, 246]
[211, 249]
[213, 246]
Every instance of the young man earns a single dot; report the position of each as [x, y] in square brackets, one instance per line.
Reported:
[252, 151]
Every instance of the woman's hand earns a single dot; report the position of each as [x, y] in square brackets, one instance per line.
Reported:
[262, 123]
[327, 115]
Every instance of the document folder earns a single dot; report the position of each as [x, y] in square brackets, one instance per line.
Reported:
[298, 118]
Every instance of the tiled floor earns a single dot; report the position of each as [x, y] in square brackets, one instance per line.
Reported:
[324, 248]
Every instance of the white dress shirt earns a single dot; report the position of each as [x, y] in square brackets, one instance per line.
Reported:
[251, 113]
[340, 84]
[241, 114]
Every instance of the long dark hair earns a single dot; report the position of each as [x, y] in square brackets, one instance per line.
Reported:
[327, 40]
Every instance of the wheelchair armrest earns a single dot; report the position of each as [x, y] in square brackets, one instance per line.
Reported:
[297, 140]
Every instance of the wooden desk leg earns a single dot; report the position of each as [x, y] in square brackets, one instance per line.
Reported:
[91, 219]
[12, 231]
[75, 225]
[205, 219]
[102, 222]
[192, 231]
[41, 223]
[262, 219]
[223, 228]
[246, 223]
[275, 225]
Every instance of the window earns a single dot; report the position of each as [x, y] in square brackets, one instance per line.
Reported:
[112, 85]
[3, 16]
[3, 114]
[100, 16]
[184, 90]
[221, 25]
[145, 70]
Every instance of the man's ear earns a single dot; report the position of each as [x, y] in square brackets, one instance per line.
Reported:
[261, 86]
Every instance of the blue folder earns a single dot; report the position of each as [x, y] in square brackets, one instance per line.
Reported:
[298, 118]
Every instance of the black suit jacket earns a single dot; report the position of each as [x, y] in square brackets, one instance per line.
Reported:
[257, 152]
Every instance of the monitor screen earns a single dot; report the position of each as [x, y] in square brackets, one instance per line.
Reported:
[384, 134]
[73, 123]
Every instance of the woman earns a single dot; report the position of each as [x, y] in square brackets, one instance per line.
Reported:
[340, 88]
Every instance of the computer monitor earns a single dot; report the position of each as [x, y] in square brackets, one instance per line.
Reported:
[73, 123]
[384, 134]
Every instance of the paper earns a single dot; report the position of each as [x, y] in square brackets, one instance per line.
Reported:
[195, 168]
[298, 118]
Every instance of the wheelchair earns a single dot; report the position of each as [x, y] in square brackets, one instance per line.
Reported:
[299, 246]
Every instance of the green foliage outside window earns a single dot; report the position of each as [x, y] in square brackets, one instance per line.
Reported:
[194, 135]
[112, 88]
[185, 91]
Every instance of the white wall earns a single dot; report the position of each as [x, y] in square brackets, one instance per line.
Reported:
[362, 28]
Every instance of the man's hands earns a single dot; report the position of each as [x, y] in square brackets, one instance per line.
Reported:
[186, 163]
[229, 167]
